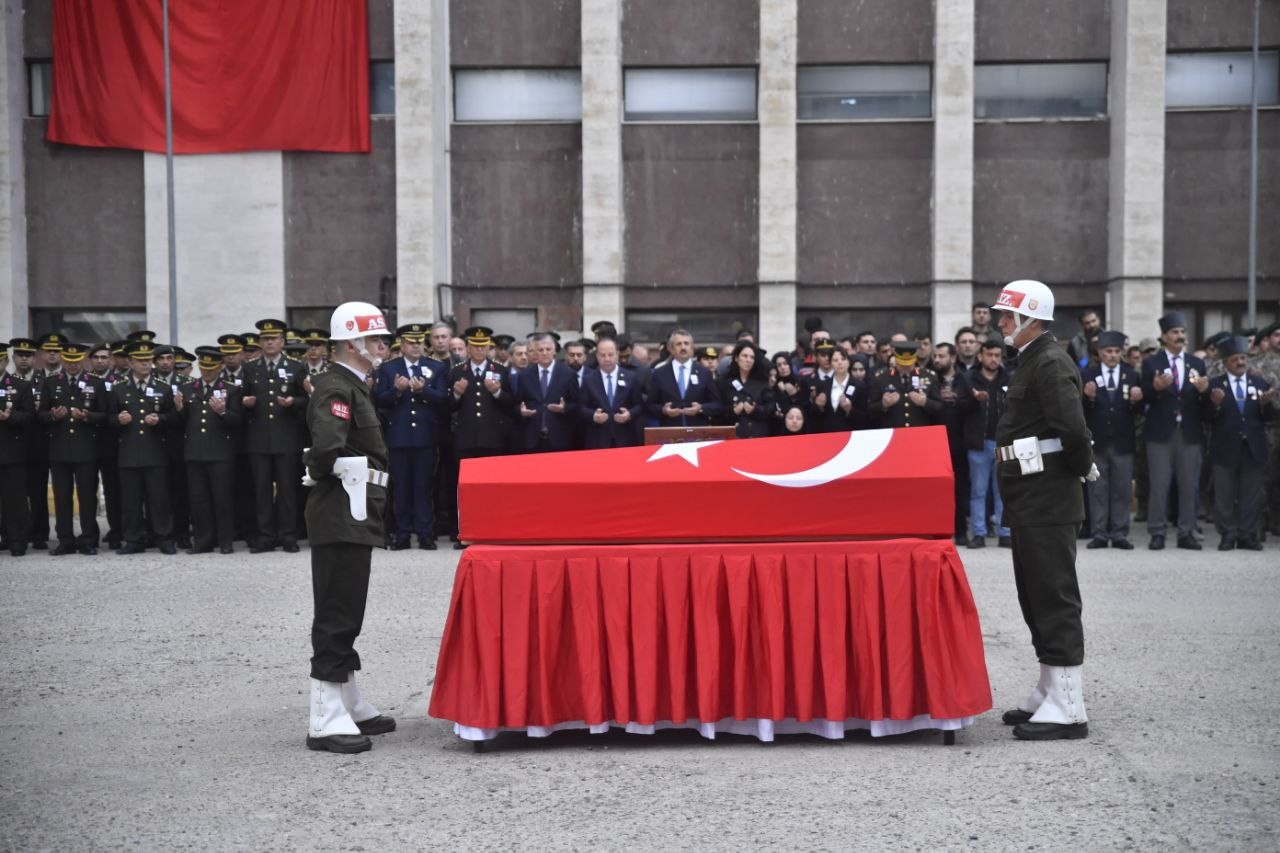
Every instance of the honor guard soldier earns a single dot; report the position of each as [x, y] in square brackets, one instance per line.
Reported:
[906, 394]
[102, 365]
[274, 400]
[1112, 402]
[211, 416]
[142, 414]
[412, 391]
[545, 394]
[1239, 405]
[73, 408]
[1043, 447]
[1173, 382]
[682, 393]
[24, 353]
[164, 372]
[481, 400]
[16, 409]
[347, 467]
[610, 405]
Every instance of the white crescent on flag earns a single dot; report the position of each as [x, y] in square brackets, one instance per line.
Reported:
[863, 448]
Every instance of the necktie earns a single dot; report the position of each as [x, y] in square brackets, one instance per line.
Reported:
[681, 380]
[608, 378]
[546, 380]
[1111, 379]
[1177, 380]
[1240, 394]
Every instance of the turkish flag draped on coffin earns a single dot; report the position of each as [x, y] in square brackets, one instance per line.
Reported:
[852, 485]
[247, 75]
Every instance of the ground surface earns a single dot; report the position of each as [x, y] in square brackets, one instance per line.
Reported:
[159, 703]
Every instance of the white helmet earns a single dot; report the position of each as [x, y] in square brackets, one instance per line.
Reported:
[353, 320]
[1026, 297]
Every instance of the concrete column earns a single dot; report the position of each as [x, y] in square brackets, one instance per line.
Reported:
[230, 243]
[777, 206]
[13, 219]
[603, 267]
[952, 166]
[422, 185]
[1135, 256]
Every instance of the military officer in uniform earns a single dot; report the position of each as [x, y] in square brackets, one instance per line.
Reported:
[1238, 406]
[101, 365]
[412, 390]
[211, 417]
[246, 508]
[274, 400]
[24, 352]
[163, 372]
[142, 413]
[16, 409]
[316, 360]
[73, 408]
[481, 400]
[1043, 447]
[1266, 363]
[906, 394]
[348, 463]
[1112, 401]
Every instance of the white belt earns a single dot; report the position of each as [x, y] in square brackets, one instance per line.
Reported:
[1047, 445]
[379, 478]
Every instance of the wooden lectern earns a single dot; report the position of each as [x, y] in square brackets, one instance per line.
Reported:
[678, 435]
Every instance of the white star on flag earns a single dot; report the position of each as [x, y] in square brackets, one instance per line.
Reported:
[687, 450]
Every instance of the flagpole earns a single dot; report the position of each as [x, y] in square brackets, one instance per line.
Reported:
[1253, 178]
[168, 173]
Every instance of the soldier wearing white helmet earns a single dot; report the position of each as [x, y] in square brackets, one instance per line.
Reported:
[1043, 450]
[347, 467]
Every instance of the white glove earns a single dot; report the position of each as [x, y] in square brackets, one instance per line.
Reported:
[307, 481]
[1093, 474]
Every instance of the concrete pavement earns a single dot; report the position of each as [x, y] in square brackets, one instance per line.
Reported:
[157, 703]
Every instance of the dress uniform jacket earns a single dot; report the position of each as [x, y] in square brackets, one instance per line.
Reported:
[906, 413]
[1234, 432]
[207, 435]
[1111, 415]
[626, 396]
[273, 428]
[343, 422]
[480, 420]
[412, 416]
[1043, 400]
[700, 387]
[16, 398]
[562, 385]
[70, 440]
[138, 444]
[1164, 407]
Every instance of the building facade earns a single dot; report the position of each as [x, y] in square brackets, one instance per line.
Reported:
[718, 164]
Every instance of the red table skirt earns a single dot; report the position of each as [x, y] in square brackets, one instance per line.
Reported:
[540, 637]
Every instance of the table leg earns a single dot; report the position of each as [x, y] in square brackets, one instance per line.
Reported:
[949, 738]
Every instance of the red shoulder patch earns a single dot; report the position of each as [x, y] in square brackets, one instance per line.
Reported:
[340, 410]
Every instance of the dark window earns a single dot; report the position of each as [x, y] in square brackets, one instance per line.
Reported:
[88, 326]
[852, 92]
[39, 86]
[382, 88]
[709, 328]
[1040, 90]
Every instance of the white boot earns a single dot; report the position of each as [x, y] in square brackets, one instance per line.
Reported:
[329, 716]
[1032, 703]
[355, 703]
[1064, 700]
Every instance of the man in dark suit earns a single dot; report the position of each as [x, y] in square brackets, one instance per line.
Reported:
[682, 392]
[1112, 400]
[1172, 384]
[609, 404]
[73, 407]
[142, 413]
[1238, 406]
[545, 392]
[275, 401]
[411, 391]
[481, 402]
[16, 408]
[211, 416]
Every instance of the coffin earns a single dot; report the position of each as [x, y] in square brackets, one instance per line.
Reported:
[852, 485]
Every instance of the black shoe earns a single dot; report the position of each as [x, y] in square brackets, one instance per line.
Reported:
[183, 541]
[1095, 544]
[62, 550]
[1005, 542]
[427, 544]
[1015, 717]
[458, 546]
[379, 725]
[1249, 545]
[226, 549]
[208, 550]
[1226, 544]
[130, 549]
[1051, 731]
[89, 551]
[1141, 515]
[978, 542]
[399, 545]
[261, 548]
[18, 552]
[345, 744]
[1156, 543]
[1188, 543]
[291, 548]
[39, 544]
[113, 542]
[168, 548]
[453, 537]
[1122, 544]
[961, 539]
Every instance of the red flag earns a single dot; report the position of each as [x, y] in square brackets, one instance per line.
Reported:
[869, 483]
[246, 74]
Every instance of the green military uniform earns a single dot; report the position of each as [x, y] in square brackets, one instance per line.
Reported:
[273, 440]
[18, 408]
[343, 422]
[905, 413]
[1045, 510]
[1267, 365]
[209, 455]
[143, 458]
[73, 453]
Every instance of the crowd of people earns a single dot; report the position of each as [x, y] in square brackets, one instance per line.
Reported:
[200, 450]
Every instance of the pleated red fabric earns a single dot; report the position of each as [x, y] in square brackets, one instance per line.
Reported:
[541, 635]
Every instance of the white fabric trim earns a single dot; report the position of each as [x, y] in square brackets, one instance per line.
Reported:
[762, 729]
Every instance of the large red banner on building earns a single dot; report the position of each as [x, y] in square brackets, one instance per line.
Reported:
[863, 484]
[246, 75]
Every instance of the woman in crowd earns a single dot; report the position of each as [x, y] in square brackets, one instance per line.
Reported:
[793, 421]
[744, 390]
[839, 403]
[787, 390]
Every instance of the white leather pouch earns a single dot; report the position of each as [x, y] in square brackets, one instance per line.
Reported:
[1027, 452]
[354, 473]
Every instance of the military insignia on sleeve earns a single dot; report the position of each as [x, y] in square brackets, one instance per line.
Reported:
[340, 410]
